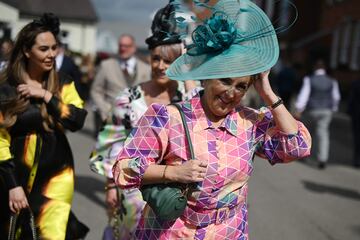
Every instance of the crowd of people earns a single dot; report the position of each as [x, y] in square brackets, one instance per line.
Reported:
[141, 138]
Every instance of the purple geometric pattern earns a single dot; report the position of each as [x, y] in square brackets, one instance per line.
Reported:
[228, 150]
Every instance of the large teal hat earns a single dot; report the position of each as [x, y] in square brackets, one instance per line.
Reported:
[237, 40]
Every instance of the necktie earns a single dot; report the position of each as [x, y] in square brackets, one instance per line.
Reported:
[125, 70]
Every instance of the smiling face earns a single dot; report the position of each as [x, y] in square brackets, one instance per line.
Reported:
[221, 96]
[41, 56]
[159, 66]
[161, 58]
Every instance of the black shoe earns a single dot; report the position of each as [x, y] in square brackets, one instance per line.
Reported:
[322, 165]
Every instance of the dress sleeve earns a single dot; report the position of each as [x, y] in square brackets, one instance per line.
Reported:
[145, 145]
[69, 110]
[7, 166]
[277, 146]
[110, 139]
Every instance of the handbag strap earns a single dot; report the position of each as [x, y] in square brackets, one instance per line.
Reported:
[191, 148]
[12, 227]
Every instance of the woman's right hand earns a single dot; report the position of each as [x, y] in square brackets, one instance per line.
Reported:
[17, 199]
[28, 90]
[191, 171]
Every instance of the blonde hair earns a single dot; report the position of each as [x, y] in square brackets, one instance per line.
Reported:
[170, 52]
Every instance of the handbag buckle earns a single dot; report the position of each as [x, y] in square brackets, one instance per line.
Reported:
[221, 215]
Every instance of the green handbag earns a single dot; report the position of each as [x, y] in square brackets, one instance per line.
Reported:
[168, 201]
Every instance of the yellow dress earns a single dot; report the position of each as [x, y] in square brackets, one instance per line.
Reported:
[42, 163]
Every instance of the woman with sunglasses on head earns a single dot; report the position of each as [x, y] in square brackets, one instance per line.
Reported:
[36, 107]
[165, 46]
[232, 50]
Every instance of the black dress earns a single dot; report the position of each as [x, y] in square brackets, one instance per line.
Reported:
[41, 162]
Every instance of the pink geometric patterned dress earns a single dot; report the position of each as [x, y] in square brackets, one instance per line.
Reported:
[217, 209]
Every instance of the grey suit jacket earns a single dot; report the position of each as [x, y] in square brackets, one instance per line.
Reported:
[110, 81]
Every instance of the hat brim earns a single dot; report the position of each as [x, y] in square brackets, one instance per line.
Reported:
[240, 59]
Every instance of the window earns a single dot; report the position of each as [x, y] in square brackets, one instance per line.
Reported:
[332, 2]
[355, 47]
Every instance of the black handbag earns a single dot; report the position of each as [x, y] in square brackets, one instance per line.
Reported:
[12, 227]
[168, 201]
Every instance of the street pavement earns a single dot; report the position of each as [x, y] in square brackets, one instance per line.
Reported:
[293, 201]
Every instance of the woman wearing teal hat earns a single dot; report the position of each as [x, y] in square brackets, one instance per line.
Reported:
[232, 50]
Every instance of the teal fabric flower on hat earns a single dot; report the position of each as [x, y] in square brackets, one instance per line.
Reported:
[237, 40]
[217, 34]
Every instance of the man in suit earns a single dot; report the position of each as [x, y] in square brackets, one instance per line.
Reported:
[114, 75]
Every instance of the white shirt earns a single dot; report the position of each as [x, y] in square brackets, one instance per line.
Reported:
[59, 60]
[304, 93]
[131, 64]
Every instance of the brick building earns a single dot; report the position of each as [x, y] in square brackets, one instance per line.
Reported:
[329, 29]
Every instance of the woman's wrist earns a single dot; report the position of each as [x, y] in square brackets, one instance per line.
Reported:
[269, 98]
[110, 181]
[169, 173]
[164, 172]
[43, 96]
[107, 188]
[110, 184]
[46, 96]
[276, 104]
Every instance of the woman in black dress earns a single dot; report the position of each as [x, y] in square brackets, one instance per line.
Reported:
[36, 106]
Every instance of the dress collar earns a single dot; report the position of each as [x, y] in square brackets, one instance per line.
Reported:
[320, 71]
[202, 122]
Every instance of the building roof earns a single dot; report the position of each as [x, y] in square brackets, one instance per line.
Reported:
[78, 10]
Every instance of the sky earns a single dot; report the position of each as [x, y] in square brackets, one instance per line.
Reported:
[124, 16]
[126, 10]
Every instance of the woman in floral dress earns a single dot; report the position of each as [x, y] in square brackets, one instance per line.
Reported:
[126, 206]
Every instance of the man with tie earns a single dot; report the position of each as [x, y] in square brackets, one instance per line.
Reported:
[115, 74]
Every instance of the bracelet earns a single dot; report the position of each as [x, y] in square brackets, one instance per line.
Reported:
[276, 104]
[163, 175]
[109, 187]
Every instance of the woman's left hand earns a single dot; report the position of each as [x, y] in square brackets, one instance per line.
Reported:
[262, 84]
[27, 91]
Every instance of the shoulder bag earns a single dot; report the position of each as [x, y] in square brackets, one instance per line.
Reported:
[168, 201]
